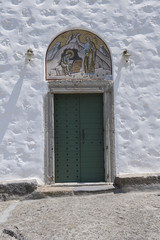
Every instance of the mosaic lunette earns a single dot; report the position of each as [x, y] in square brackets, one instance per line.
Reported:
[78, 54]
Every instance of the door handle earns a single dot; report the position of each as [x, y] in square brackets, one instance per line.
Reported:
[83, 134]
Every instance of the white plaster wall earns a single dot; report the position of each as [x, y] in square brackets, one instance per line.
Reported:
[131, 24]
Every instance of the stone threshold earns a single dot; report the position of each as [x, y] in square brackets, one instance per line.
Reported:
[29, 189]
[57, 190]
[78, 184]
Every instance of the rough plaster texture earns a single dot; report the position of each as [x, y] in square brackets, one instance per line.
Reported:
[132, 24]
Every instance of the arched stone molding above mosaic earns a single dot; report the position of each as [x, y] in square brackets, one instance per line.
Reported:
[78, 54]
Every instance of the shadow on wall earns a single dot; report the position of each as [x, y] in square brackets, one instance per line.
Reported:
[116, 89]
[118, 77]
[6, 117]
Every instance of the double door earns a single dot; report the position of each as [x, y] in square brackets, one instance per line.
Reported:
[79, 145]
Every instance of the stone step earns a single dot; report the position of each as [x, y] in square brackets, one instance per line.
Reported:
[93, 189]
[57, 191]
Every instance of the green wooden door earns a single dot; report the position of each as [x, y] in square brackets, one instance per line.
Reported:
[79, 154]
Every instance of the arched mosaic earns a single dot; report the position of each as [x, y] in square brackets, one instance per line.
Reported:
[78, 54]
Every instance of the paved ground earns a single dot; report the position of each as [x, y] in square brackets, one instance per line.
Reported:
[105, 217]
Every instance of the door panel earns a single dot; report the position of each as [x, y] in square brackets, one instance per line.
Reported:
[92, 159]
[67, 145]
[79, 144]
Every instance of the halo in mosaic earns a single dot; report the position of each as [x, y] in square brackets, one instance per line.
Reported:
[78, 54]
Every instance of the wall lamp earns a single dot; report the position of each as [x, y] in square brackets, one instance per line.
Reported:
[126, 56]
[29, 54]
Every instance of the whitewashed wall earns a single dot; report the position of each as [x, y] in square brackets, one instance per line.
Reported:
[132, 25]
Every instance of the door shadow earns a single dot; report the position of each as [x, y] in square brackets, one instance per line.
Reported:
[11, 105]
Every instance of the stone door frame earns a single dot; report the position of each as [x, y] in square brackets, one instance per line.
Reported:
[76, 87]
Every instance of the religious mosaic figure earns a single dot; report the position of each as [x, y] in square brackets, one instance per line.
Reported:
[90, 56]
[66, 63]
[70, 61]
